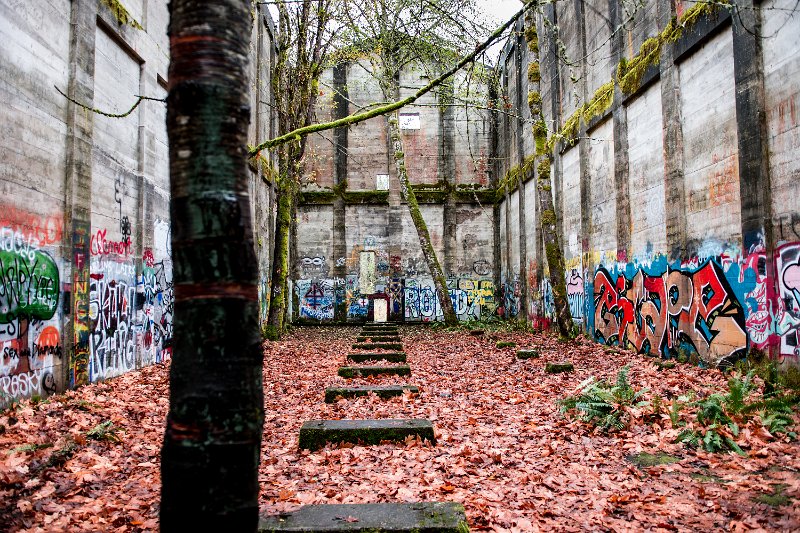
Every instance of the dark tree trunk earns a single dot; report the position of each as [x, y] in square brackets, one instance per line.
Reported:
[210, 456]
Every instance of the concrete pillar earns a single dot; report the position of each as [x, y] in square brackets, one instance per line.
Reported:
[447, 175]
[520, 103]
[340, 136]
[78, 187]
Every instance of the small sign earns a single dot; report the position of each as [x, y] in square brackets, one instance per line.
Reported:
[382, 182]
[409, 121]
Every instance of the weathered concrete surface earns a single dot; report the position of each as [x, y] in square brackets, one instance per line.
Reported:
[315, 434]
[557, 368]
[528, 353]
[378, 338]
[388, 391]
[427, 517]
[363, 371]
[392, 357]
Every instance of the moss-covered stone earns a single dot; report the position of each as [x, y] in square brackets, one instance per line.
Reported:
[378, 338]
[777, 498]
[392, 357]
[425, 517]
[557, 368]
[647, 460]
[528, 353]
[315, 434]
[384, 392]
[378, 346]
[505, 344]
[350, 372]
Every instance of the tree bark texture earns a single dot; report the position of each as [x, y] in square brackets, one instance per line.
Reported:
[543, 160]
[210, 454]
[428, 252]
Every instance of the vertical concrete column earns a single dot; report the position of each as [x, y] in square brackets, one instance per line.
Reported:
[520, 104]
[754, 181]
[620, 126]
[674, 187]
[508, 184]
[587, 263]
[78, 187]
[755, 188]
[340, 139]
[447, 175]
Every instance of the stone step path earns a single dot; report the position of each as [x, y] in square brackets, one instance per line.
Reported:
[378, 346]
[315, 434]
[392, 357]
[377, 338]
[384, 391]
[364, 371]
[428, 517]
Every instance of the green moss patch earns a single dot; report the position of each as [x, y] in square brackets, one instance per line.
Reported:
[647, 460]
[776, 499]
[557, 368]
[505, 344]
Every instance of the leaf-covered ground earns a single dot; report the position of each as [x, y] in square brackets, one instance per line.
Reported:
[504, 449]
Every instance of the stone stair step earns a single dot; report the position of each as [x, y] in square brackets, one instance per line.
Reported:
[363, 371]
[388, 391]
[380, 330]
[528, 353]
[378, 338]
[378, 346]
[392, 357]
[557, 368]
[315, 434]
[428, 517]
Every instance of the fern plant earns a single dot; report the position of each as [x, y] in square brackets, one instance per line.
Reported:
[602, 404]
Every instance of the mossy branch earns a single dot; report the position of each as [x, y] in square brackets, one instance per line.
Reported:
[139, 100]
[393, 106]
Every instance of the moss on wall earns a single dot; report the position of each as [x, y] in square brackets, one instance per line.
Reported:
[121, 14]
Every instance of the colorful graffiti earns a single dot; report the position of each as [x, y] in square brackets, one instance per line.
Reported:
[472, 299]
[357, 305]
[316, 298]
[29, 337]
[787, 318]
[664, 310]
[79, 362]
[575, 294]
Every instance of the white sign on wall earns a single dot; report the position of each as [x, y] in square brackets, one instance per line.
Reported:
[409, 121]
[382, 182]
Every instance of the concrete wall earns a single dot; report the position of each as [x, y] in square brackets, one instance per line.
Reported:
[85, 252]
[680, 205]
[343, 214]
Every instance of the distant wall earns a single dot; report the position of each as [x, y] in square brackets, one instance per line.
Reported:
[351, 204]
[85, 252]
[679, 205]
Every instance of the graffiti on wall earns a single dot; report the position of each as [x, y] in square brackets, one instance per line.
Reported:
[113, 339]
[663, 310]
[29, 336]
[357, 305]
[575, 293]
[472, 299]
[509, 297]
[316, 298]
[787, 318]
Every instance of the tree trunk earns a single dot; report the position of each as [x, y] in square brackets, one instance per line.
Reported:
[212, 440]
[543, 160]
[422, 229]
[279, 299]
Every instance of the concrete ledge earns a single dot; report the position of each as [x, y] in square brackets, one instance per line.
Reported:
[390, 391]
[392, 357]
[426, 517]
[362, 371]
[378, 346]
[317, 433]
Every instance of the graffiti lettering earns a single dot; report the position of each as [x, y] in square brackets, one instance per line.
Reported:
[99, 245]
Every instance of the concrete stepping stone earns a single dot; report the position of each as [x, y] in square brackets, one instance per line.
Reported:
[428, 517]
[364, 371]
[528, 353]
[392, 357]
[314, 434]
[378, 346]
[384, 331]
[388, 391]
[557, 368]
[378, 338]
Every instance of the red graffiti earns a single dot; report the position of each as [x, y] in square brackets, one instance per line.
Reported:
[660, 315]
[99, 245]
[42, 230]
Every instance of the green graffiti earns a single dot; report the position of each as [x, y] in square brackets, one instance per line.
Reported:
[29, 285]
